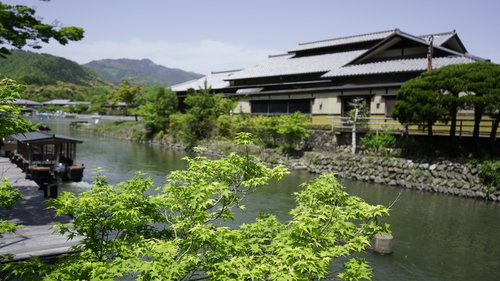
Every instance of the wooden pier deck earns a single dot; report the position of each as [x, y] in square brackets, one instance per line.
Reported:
[37, 237]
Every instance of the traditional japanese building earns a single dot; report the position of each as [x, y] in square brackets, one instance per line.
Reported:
[322, 78]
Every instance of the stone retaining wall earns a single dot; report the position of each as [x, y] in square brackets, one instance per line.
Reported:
[442, 176]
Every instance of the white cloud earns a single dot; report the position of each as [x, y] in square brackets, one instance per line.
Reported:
[201, 56]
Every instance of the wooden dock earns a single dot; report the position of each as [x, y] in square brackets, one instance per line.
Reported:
[37, 237]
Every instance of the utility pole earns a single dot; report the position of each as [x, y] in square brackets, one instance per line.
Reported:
[357, 105]
[430, 53]
[356, 112]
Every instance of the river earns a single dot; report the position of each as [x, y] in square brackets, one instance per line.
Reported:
[436, 237]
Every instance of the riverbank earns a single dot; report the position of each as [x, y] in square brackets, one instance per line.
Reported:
[438, 176]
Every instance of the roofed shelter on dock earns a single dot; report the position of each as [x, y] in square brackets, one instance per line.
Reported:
[37, 154]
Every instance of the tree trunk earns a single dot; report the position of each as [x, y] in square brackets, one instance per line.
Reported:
[494, 128]
[429, 129]
[453, 125]
[430, 146]
[478, 115]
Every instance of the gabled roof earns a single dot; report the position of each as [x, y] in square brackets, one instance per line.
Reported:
[396, 37]
[439, 38]
[343, 41]
[216, 80]
[448, 40]
[42, 137]
[394, 66]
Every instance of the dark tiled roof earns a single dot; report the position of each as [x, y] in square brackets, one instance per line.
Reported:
[39, 136]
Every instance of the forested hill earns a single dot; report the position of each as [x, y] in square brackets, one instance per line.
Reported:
[44, 69]
[115, 69]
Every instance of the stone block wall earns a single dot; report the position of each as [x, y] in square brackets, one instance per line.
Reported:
[440, 176]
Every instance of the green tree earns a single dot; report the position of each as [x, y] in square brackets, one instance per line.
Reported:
[439, 95]
[177, 233]
[482, 81]
[417, 103]
[19, 26]
[203, 109]
[129, 92]
[158, 108]
[493, 110]
[448, 82]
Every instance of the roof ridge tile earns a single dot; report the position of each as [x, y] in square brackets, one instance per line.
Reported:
[348, 37]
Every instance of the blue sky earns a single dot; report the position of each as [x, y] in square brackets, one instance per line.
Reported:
[205, 36]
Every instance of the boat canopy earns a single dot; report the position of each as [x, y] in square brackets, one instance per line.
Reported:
[38, 148]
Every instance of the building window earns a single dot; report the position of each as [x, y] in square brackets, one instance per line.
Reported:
[259, 107]
[389, 105]
[281, 106]
[304, 106]
[278, 106]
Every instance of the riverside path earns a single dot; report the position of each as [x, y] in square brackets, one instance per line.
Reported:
[37, 237]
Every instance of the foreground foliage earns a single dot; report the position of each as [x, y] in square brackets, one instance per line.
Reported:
[8, 198]
[10, 122]
[20, 27]
[176, 233]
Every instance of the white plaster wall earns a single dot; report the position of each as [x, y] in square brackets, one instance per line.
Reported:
[243, 106]
[327, 103]
[377, 102]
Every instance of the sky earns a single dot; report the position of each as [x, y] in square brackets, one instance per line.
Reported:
[205, 36]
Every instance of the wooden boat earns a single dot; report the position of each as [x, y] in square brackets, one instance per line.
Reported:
[47, 158]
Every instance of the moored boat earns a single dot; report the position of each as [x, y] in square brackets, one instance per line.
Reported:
[47, 158]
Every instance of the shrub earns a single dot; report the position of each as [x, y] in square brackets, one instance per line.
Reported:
[226, 126]
[319, 127]
[291, 129]
[380, 143]
[489, 173]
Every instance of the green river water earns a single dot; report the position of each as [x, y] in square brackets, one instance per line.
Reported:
[436, 237]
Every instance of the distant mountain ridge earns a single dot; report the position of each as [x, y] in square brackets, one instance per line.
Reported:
[114, 70]
[44, 69]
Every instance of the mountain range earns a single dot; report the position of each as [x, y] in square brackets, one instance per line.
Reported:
[52, 77]
[114, 70]
[44, 69]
